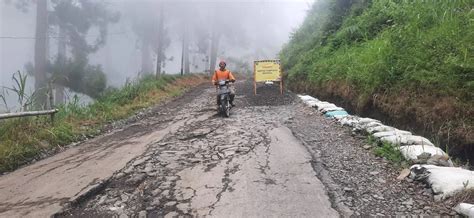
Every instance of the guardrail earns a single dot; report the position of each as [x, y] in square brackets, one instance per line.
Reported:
[29, 114]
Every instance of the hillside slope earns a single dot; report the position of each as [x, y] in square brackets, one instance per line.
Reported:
[410, 63]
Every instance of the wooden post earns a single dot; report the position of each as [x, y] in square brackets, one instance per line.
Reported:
[52, 119]
[281, 79]
[281, 86]
[254, 79]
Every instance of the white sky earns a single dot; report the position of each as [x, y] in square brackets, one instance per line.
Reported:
[120, 63]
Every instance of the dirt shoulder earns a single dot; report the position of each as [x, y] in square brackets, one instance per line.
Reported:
[355, 177]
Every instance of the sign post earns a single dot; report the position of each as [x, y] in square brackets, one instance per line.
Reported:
[267, 71]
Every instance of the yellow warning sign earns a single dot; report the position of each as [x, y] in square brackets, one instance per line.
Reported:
[267, 70]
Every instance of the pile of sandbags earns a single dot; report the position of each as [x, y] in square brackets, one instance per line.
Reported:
[432, 165]
[417, 149]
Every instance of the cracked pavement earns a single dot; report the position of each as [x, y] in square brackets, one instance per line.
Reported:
[248, 165]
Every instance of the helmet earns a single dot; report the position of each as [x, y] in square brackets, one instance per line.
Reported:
[222, 62]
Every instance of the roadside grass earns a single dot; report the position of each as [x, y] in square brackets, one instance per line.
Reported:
[388, 151]
[413, 60]
[25, 139]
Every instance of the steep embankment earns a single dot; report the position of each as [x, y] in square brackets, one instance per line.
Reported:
[409, 63]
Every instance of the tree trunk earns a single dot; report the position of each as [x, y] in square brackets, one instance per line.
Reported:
[186, 49]
[146, 57]
[159, 52]
[185, 52]
[214, 46]
[182, 57]
[41, 88]
[60, 76]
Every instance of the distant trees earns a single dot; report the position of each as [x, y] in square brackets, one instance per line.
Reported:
[73, 20]
[148, 24]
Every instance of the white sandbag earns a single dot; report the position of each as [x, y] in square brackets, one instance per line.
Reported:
[328, 109]
[403, 139]
[396, 139]
[349, 121]
[417, 140]
[411, 152]
[465, 209]
[310, 103]
[339, 117]
[390, 133]
[365, 126]
[307, 98]
[379, 128]
[367, 120]
[444, 181]
[323, 104]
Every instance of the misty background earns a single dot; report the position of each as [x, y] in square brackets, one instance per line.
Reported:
[126, 39]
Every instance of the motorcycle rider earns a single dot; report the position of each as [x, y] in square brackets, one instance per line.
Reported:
[223, 74]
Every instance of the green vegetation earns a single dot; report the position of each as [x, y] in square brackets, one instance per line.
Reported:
[23, 139]
[413, 60]
[391, 153]
[387, 151]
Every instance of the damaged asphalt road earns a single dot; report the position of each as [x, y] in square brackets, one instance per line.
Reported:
[247, 165]
[272, 157]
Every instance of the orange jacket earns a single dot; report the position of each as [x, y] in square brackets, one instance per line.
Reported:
[222, 75]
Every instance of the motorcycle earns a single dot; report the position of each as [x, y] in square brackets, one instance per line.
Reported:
[223, 96]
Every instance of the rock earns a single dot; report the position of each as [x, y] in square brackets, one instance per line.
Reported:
[378, 197]
[243, 149]
[170, 204]
[171, 215]
[171, 178]
[102, 200]
[165, 193]
[155, 202]
[110, 200]
[124, 197]
[138, 162]
[148, 169]
[183, 207]
[142, 214]
[374, 173]
[128, 170]
[117, 203]
[403, 174]
[367, 147]
[424, 156]
[348, 189]
[156, 192]
[440, 160]
[136, 179]
[408, 202]
[119, 175]
[165, 185]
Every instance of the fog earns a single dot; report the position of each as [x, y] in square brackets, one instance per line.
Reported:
[239, 30]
